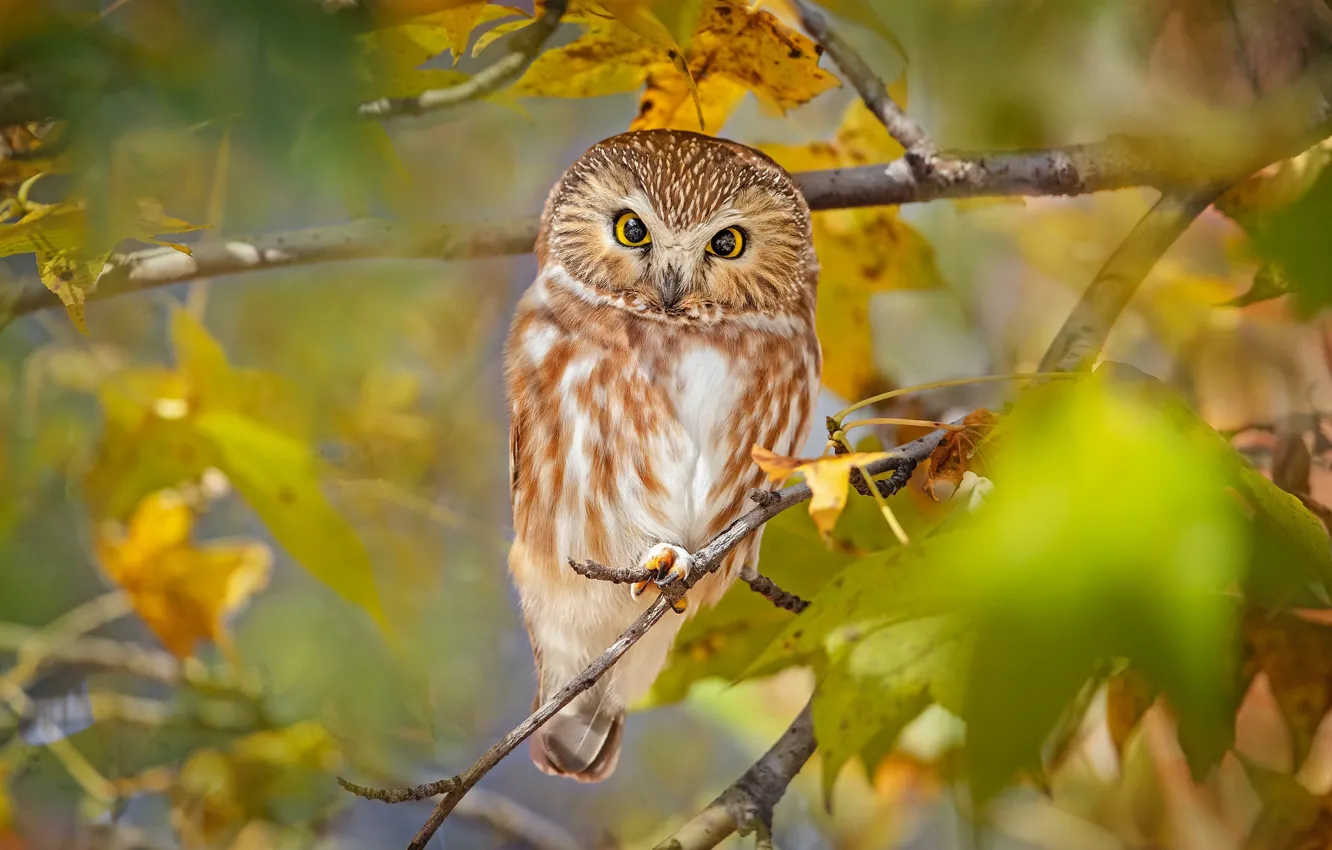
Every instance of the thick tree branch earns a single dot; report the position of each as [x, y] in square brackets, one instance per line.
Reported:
[1086, 329]
[706, 560]
[747, 805]
[1116, 163]
[365, 239]
[910, 135]
[526, 45]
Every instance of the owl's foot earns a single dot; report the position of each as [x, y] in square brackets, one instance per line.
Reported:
[668, 564]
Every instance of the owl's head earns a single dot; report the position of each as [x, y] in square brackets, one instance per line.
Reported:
[681, 224]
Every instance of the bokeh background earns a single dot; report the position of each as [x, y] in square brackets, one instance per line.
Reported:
[241, 116]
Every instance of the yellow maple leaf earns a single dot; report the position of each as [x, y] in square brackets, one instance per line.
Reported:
[828, 478]
[737, 48]
[733, 49]
[392, 55]
[59, 235]
[183, 592]
[607, 59]
[71, 278]
[861, 251]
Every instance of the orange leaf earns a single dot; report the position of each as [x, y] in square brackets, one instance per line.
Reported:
[1296, 655]
[951, 459]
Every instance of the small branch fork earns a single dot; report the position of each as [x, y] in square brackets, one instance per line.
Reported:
[920, 149]
[706, 560]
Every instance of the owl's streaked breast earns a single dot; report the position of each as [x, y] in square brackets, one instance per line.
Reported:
[634, 432]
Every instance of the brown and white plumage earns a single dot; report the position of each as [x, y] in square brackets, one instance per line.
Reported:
[638, 379]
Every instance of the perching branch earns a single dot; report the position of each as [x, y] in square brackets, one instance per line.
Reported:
[747, 805]
[911, 136]
[1086, 329]
[526, 45]
[706, 560]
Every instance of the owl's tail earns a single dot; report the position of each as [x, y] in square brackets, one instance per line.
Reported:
[581, 742]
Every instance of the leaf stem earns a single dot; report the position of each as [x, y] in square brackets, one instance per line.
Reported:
[898, 531]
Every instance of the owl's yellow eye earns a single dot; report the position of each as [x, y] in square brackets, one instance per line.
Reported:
[631, 231]
[727, 244]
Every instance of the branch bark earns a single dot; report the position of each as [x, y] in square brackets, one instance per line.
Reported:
[706, 560]
[768, 589]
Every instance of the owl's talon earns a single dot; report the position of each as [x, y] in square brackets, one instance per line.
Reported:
[674, 573]
[668, 564]
[679, 605]
[636, 589]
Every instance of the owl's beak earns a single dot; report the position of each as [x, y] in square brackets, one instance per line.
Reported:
[672, 287]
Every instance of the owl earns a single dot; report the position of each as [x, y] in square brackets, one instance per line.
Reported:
[670, 329]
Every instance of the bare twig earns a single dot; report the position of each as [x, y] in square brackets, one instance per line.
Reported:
[401, 795]
[911, 136]
[747, 805]
[516, 821]
[706, 560]
[768, 589]
[1084, 332]
[526, 45]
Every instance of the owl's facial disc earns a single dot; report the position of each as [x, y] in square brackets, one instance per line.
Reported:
[682, 224]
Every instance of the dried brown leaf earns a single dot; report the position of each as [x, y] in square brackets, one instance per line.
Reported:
[956, 453]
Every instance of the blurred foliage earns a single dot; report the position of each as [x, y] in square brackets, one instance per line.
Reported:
[293, 485]
[861, 251]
